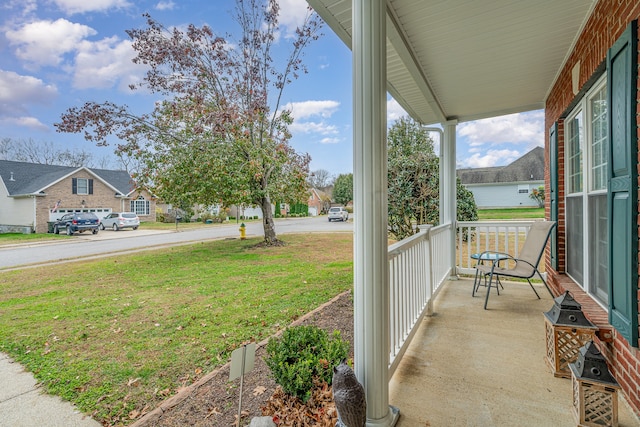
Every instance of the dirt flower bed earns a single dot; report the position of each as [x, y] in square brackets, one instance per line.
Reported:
[213, 400]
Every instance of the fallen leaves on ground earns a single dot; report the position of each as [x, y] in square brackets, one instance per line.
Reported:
[289, 411]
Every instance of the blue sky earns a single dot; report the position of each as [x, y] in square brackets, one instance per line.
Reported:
[56, 54]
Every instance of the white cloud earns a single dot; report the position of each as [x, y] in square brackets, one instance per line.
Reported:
[45, 42]
[490, 158]
[105, 64]
[27, 122]
[17, 92]
[394, 111]
[81, 6]
[292, 14]
[521, 128]
[306, 109]
[313, 127]
[25, 7]
[329, 140]
[165, 5]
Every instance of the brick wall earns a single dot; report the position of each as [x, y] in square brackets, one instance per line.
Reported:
[102, 197]
[606, 24]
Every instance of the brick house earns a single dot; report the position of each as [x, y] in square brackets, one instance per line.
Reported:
[591, 181]
[32, 194]
[319, 202]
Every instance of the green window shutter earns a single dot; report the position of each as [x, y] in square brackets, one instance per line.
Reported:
[74, 185]
[90, 186]
[622, 200]
[553, 191]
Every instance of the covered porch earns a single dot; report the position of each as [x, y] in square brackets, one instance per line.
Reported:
[467, 366]
[451, 362]
[448, 62]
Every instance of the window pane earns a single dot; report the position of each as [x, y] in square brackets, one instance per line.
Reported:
[574, 154]
[598, 247]
[140, 206]
[575, 239]
[599, 141]
[83, 186]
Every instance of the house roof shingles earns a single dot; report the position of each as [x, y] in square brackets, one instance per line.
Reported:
[529, 167]
[22, 178]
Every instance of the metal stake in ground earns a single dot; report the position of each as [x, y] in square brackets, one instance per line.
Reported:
[242, 361]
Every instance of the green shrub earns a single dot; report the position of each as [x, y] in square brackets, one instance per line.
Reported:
[302, 354]
[205, 216]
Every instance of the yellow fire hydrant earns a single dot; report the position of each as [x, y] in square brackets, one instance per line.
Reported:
[243, 231]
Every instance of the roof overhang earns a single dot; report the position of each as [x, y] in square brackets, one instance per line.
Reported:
[466, 59]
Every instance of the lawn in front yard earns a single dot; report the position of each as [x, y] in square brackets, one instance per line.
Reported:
[511, 213]
[119, 335]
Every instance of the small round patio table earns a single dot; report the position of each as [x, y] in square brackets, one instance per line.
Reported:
[480, 259]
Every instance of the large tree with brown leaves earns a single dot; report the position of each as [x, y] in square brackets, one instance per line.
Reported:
[217, 133]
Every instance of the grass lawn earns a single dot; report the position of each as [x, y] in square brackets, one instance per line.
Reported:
[511, 213]
[119, 335]
[12, 238]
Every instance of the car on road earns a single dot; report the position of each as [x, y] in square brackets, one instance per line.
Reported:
[119, 220]
[76, 222]
[338, 213]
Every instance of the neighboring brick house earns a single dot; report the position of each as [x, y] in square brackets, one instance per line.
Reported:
[506, 186]
[592, 183]
[32, 194]
[319, 202]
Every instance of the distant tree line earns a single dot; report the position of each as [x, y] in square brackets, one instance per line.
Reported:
[46, 153]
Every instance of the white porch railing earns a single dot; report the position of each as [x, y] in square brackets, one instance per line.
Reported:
[479, 236]
[419, 265]
[417, 268]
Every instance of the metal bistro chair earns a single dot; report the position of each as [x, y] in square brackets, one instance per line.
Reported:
[525, 266]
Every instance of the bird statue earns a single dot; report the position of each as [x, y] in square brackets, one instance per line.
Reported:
[349, 397]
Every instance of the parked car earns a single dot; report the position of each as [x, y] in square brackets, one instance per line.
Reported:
[120, 220]
[338, 213]
[77, 221]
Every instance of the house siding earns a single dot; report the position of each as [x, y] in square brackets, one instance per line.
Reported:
[503, 195]
[606, 24]
[16, 212]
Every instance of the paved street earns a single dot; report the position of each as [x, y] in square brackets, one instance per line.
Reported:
[109, 242]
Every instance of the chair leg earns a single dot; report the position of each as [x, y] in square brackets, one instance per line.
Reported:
[489, 289]
[475, 285]
[546, 285]
[534, 289]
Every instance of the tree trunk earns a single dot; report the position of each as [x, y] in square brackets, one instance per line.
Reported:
[270, 237]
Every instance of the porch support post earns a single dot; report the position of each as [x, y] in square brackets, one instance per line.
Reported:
[448, 187]
[371, 271]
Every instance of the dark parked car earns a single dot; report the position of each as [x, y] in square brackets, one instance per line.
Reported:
[77, 221]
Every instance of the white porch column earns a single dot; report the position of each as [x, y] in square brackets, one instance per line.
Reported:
[371, 275]
[448, 186]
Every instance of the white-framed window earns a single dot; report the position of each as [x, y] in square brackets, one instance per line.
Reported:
[140, 206]
[82, 186]
[586, 158]
[523, 189]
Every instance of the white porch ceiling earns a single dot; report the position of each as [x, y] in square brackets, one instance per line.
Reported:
[470, 59]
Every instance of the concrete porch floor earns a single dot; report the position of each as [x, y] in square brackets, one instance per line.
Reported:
[467, 366]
